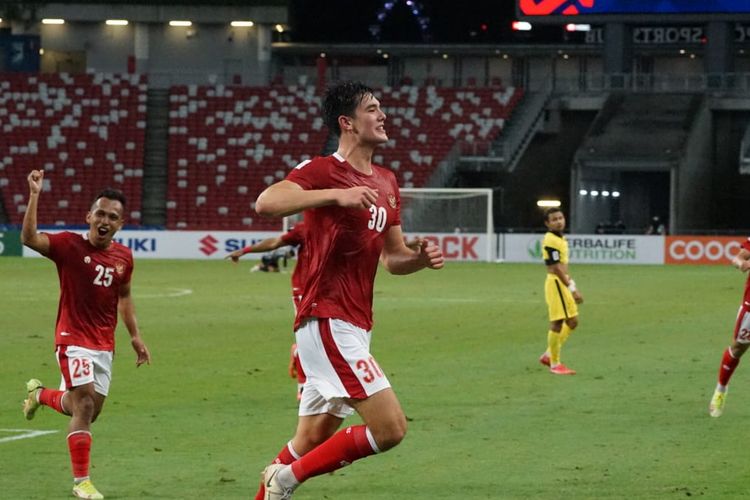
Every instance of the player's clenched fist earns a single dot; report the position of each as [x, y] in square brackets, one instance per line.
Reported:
[35, 181]
[357, 197]
[431, 254]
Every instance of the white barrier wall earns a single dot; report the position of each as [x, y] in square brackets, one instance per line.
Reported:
[468, 247]
[587, 248]
[181, 244]
[462, 246]
[217, 244]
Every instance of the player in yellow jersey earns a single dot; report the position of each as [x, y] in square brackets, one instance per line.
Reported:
[560, 292]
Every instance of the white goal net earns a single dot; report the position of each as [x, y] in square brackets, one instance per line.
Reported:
[460, 218]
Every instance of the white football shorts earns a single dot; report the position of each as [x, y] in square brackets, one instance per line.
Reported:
[335, 356]
[80, 366]
[742, 325]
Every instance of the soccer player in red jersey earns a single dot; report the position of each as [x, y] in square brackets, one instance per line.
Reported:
[94, 274]
[294, 237]
[351, 209]
[741, 341]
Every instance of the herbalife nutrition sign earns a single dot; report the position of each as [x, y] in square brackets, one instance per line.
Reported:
[588, 248]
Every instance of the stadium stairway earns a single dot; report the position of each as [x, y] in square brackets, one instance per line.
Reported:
[155, 168]
[640, 129]
[528, 119]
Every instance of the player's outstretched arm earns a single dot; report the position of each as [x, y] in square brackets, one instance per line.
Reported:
[127, 312]
[287, 198]
[398, 258]
[742, 260]
[263, 246]
[29, 234]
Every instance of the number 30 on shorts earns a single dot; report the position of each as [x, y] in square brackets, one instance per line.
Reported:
[369, 370]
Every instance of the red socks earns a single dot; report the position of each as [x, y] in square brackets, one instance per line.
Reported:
[728, 365]
[285, 457]
[79, 444]
[338, 451]
[53, 399]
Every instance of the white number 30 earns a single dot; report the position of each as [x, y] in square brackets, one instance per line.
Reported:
[378, 218]
[103, 276]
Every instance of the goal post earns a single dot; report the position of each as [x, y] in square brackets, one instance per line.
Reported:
[456, 217]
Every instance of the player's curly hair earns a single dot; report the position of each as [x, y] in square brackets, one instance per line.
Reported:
[342, 99]
[111, 194]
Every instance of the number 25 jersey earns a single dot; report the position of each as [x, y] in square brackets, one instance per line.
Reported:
[90, 280]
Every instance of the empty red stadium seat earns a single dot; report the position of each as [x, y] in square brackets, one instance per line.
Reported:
[86, 131]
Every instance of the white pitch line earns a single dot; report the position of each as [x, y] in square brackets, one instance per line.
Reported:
[24, 434]
[177, 292]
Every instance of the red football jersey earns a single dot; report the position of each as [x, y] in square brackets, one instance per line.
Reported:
[90, 280]
[343, 244]
[296, 238]
[746, 246]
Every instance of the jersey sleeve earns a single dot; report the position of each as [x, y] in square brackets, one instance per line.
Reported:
[746, 244]
[550, 252]
[57, 246]
[128, 269]
[294, 236]
[310, 174]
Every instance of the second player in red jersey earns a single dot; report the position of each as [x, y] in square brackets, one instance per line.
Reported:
[741, 338]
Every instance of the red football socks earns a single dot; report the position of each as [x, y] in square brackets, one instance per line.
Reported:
[338, 451]
[285, 457]
[53, 399]
[79, 444]
[728, 365]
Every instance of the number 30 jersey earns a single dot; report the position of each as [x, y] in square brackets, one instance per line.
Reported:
[343, 245]
[90, 280]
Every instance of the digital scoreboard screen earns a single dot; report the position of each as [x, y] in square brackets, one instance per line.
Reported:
[604, 8]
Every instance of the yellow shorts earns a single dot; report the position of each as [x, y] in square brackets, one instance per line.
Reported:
[560, 301]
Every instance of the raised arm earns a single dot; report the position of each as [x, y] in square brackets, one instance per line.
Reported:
[287, 198]
[263, 246]
[126, 309]
[742, 260]
[398, 258]
[29, 235]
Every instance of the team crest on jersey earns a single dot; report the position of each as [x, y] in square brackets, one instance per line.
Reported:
[391, 200]
[120, 268]
[87, 260]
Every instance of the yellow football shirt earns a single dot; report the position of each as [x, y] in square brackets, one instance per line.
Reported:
[554, 249]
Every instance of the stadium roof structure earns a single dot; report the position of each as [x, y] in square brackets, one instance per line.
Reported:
[493, 50]
[260, 11]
